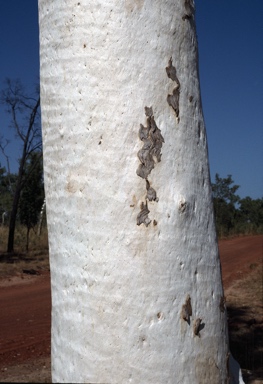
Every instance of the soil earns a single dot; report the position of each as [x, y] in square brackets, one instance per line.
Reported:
[25, 319]
[25, 315]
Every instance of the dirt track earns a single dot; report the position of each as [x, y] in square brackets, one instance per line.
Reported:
[25, 319]
[238, 255]
[26, 307]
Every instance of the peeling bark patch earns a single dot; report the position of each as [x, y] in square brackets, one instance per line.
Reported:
[152, 144]
[197, 326]
[187, 310]
[151, 193]
[142, 217]
[173, 99]
[149, 154]
[171, 72]
[148, 111]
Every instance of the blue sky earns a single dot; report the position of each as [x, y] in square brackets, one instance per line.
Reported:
[230, 39]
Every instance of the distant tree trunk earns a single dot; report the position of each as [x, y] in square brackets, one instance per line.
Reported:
[4, 214]
[13, 215]
[137, 294]
[40, 223]
[31, 199]
[27, 148]
[27, 239]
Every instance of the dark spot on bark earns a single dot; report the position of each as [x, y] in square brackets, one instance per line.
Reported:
[187, 310]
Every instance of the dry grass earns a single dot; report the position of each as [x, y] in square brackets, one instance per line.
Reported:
[245, 318]
[36, 259]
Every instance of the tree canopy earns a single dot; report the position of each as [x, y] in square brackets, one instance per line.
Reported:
[233, 214]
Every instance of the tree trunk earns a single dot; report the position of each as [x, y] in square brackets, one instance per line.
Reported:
[41, 216]
[27, 238]
[27, 146]
[136, 283]
[15, 203]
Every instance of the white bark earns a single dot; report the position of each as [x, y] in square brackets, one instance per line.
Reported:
[40, 221]
[118, 288]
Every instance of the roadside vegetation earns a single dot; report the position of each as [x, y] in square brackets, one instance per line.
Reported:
[33, 261]
[235, 216]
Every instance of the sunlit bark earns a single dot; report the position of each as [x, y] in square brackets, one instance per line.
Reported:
[136, 283]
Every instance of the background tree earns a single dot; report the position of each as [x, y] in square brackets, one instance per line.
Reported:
[251, 215]
[235, 216]
[7, 184]
[32, 195]
[25, 120]
[225, 200]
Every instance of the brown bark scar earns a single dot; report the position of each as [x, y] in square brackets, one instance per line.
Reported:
[186, 312]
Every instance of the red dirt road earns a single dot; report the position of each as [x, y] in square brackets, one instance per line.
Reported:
[25, 317]
[238, 255]
[25, 308]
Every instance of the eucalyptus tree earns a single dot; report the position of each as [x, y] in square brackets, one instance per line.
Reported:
[136, 283]
[23, 108]
[32, 196]
[225, 200]
[7, 183]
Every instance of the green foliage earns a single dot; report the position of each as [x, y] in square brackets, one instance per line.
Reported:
[32, 195]
[252, 210]
[234, 215]
[223, 191]
[225, 198]
[7, 185]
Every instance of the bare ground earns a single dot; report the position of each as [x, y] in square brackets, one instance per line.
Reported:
[25, 314]
[242, 269]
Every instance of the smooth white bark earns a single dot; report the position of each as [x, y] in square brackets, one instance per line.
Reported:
[118, 288]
